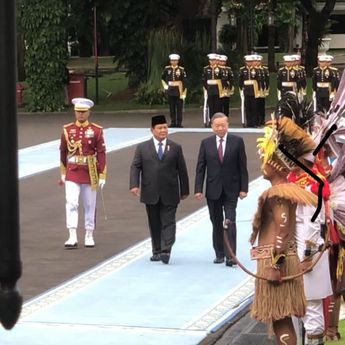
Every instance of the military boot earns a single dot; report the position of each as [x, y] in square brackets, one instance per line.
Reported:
[89, 241]
[72, 242]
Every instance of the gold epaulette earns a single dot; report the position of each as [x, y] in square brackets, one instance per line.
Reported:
[68, 124]
[281, 68]
[167, 66]
[301, 67]
[334, 68]
[181, 67]
[96, 125]
[206, 66]
[243, 67]
[315, 68]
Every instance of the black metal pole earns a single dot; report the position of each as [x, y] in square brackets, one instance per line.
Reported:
[10, 264]
[213, 26]
[271, 39]
[251, 27]
[95, 52]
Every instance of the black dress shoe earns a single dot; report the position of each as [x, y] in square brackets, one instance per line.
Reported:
[218, 260]
[229, 262]
[155, 257]
[165, 257]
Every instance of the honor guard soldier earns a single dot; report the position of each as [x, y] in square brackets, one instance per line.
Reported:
[227, 83]
[174, 83]
[325, 82]
[302, 77]
[212, 83]
[264, 88]
[83, 169]
[250, 90]
[287, 77]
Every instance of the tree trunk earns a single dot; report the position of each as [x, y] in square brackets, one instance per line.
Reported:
[316, 29]
[242, 36]
[213, 26]
[271, 51]
[316, 25]
[291, 33]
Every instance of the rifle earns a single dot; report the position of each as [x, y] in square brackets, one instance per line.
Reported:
[206, 111]
[242, 110]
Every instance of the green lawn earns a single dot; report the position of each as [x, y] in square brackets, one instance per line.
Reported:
[88, 63]
[114, 93]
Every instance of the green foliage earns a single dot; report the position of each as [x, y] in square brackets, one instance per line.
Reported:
[43, 25]
[227, 38]
[160, 44]
[194, 59]
[283, 12]
[130, 25]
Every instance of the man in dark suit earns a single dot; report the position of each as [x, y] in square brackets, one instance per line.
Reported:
[159, 167]
[222, 156]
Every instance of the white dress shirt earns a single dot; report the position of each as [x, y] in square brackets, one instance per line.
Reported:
[156, 142]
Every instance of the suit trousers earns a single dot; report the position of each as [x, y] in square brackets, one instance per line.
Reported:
[73, 190]
[175, 104]
[322, 104]
[217, 209]
[251, 110]
[213, 102]
[261, 111]
[225, 103]
[162, 224]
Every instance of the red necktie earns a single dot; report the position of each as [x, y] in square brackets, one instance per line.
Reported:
[220, 150]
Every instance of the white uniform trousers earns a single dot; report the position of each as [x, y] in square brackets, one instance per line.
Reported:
[314, 322]
[73, 191]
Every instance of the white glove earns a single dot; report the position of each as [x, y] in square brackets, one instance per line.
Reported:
[63, 178]
[183, 97]
[241, 94]
[279, 95]
[101, 183]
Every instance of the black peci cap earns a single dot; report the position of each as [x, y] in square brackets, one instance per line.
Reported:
[158, 120]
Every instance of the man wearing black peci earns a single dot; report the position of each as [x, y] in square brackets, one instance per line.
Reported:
[158, 174]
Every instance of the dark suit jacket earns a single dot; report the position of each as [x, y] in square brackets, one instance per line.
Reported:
[230, 176]
[164, 179]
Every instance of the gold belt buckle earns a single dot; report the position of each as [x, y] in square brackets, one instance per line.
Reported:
[80, 159]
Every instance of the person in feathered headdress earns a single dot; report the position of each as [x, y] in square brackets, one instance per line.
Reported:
[310, 243]
[276, 299]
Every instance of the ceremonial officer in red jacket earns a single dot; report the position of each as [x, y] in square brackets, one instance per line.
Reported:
[83, 169]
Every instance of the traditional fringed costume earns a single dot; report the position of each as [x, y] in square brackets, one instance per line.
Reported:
[274, 302]
[276, 299]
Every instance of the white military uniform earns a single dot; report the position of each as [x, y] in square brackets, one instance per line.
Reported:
[317, 283]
